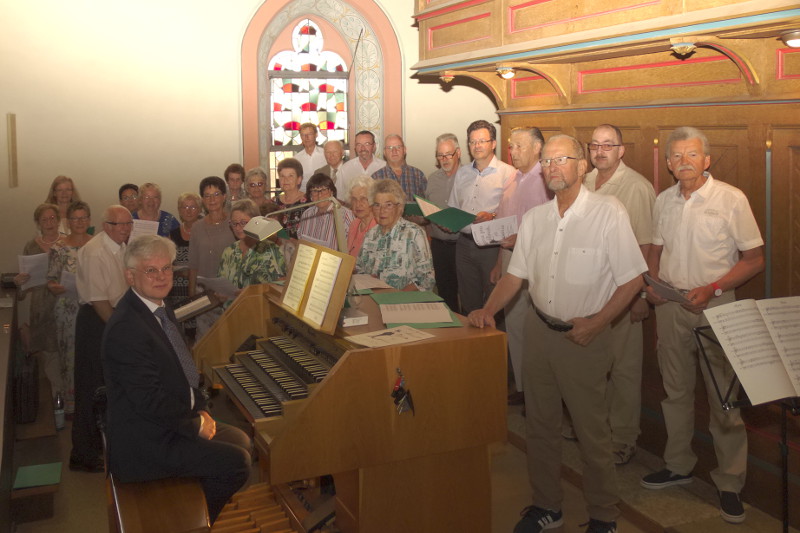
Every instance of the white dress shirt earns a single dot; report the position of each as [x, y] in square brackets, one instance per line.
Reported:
[475, 191]
[310, 162]
[352, 169]
[100, 273]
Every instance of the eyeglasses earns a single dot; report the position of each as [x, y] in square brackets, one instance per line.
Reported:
[255, 184]
[78, 219]
[190, 207]
[479, 142]
[320, 190]
[394, 148]
[209, 196]
[241, 224]
[560, 161]
[153, 272]
[48, 219]
[605, 147]
[151, 198]
[445, 157]
[385, 205]
[364, 145]
[126, 197]
[123, 224]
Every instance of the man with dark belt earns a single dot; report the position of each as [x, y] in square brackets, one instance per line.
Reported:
[101, 283]
[583, 266]
[477, 189]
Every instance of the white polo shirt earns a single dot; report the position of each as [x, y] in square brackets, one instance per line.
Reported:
[702, 236]
[574, 264]
[352, 169]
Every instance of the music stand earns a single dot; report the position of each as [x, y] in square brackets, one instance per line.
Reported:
[787, 405]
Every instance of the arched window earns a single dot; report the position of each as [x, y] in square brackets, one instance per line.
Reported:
[307, 84]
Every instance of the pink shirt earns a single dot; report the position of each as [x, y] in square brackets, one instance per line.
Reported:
[355, 235]
[522, 193]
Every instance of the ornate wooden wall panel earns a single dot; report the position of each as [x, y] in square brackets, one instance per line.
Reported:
[462, 30]
[786, 205]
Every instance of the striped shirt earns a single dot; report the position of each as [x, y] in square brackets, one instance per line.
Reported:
[317, 226]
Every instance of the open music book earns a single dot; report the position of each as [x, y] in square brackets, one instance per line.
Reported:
[762, 341]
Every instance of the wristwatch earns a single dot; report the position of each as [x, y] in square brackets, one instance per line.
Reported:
[717, 289]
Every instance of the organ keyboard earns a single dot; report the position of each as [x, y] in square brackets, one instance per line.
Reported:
[426, 472]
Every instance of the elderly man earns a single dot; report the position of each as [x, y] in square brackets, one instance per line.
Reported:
[477, 189]
[411, 179]
[158, 423]
[334, 152]
[443, 243]
[311, 156]
[706, 241]
[525, 191]
[365, 163]
[101, 283]
[612, 176]
[583, 267]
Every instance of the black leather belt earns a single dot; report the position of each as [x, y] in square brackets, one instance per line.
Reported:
[553, 323]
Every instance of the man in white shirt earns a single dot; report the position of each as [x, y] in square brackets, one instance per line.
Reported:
[705, 241]
[101, 283]
[311, 156]
[477, 189]
[365, 163]
[583, 267]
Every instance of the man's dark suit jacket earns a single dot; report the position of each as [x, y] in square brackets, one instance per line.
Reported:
[151, 424]
[325, 170]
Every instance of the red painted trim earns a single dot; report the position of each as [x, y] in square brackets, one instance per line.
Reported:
[513, 29]
[456, 23]
[450, 9]
[677, 84]
[529, 78]
[780, 74]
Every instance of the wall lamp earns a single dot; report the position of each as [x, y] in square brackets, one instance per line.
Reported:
[791, 38]
[505, 72]
[446, 76]
[683, 48]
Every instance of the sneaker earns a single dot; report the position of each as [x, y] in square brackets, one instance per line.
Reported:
[730, 507]
[663, 479]
[623, 453]
[598, 526]
[536, 519]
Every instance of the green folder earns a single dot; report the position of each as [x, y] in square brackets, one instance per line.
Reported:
[450, 218]
[38, 475]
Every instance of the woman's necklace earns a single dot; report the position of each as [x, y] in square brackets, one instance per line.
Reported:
[48, 243]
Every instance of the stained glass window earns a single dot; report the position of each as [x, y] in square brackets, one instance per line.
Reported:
[307, 84]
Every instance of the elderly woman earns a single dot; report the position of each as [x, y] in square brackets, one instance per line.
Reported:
[396, 250]
[189, 211]
[358, 198]
[129, 197]
[256, 184]
[62, 193]
[247, 261]
[150, 209]
[317, 222]
[64, 258]
[234, 178]
[290, 176]
[39, 327]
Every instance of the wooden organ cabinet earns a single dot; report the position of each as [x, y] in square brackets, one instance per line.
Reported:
[423, 472]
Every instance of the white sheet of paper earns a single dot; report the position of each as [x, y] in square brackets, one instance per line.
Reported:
[321, 288]
[387, 337]
[494, 231]
[143, 227]
[221, 286]
[744, 337]
[782, 316]
[427, 208]
[365, 281]
[68, 282]
[36, 266]
[304, 260]
[415, 313]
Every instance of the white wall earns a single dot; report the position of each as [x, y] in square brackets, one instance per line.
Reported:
[149, 90]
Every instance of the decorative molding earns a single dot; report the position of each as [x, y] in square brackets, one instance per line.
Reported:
[368, 71]
[781, 73]
[512, 12]
[518, 80]
[448, 9]
[473, 18]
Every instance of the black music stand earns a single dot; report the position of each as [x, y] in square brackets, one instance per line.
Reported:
[787, 405]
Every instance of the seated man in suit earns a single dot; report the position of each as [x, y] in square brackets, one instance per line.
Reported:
[158, 425]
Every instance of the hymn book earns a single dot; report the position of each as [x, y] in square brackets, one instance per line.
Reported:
[762, 342]
[450, 218]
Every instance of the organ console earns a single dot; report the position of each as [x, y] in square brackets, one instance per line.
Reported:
[321, 405]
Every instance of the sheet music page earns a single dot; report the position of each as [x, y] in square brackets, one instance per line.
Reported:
[365, 281]
[143, 227]
[387, 337]
[304, 260]
[665, 290]
[494, 231]
[414, 313]
[427, 208]
[36, 266]
[321, 288]
[782, 316]
[747, 344]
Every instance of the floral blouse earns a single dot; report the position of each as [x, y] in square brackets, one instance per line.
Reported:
[399, 257]
[261, 264]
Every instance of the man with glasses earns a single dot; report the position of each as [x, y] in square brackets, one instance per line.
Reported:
[612, 176]
[158, 422]
[101, 283]
[411, 179]
[583, 267]
[443, 243]
[365, 163]
[318, 222]
[477, 189]
[522, 193]
[311, 156]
